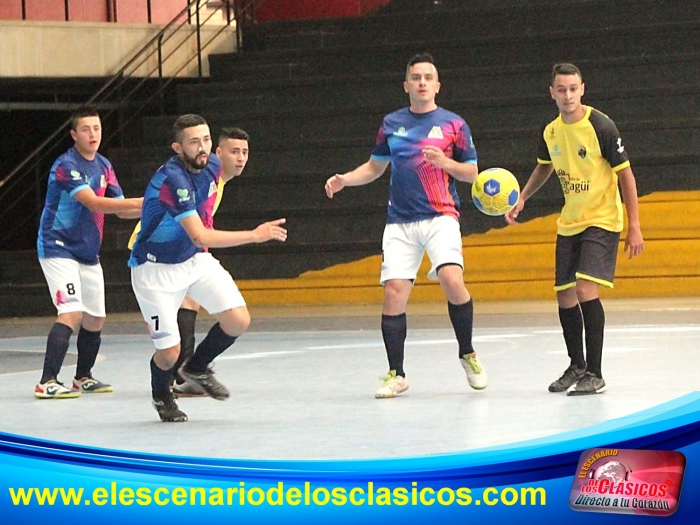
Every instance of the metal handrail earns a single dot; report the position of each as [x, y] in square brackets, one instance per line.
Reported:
[143, 52]
[14, 188]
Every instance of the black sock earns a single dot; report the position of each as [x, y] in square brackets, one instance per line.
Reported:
[214, 344]
[160, 381]
[572, 326]
[394, 335]
[88, 348]
[56, 347]
[462, 317]
[186, 320]
[594, 321]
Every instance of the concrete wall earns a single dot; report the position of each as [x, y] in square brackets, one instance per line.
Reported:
[126, 11]
[92, 49]
[308, 9]
[517, 263]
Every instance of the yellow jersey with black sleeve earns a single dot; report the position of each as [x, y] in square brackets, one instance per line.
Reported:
[586, 156]
[219, 195]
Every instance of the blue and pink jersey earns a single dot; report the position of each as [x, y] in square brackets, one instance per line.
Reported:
[67, 228]
[173, 194]
[419, 190]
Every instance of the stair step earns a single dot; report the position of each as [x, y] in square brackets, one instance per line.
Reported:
[508, 50]
[476, 19]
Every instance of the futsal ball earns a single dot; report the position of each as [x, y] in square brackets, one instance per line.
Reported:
[495, 191]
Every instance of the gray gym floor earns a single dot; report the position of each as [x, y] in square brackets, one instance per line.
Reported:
[303, 378]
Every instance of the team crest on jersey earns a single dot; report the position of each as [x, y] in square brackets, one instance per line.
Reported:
[401, 132]
[620, 147]
[212, 189]
[103, 181]
[435, 133]
[183, 195]
[582, 152]
[76, 175]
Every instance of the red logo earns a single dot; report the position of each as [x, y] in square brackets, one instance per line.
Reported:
[644, 482]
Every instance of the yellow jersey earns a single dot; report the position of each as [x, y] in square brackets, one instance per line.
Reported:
[586, 156]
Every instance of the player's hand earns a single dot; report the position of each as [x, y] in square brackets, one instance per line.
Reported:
[513, 214]
[271, 231]
[434, 156]
[634, 242]
[334, 185]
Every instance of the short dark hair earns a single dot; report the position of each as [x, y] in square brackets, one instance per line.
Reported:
[564, 68]
[419, 59]
[190, 120]
[233, 133]
[82, 112]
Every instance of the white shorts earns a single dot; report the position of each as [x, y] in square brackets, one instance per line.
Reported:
[403, 246]
[160, 289]
[75, 287]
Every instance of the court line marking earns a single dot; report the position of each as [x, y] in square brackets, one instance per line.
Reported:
[477, 338]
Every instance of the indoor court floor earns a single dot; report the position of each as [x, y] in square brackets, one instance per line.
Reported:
[302, 382]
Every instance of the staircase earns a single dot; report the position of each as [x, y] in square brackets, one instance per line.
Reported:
[312, 95]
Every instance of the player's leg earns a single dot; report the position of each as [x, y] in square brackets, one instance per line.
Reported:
[216, 291]
[443, 242]
[156, 290]
[186, 322]
[162, 366]
[567, 255]
[63, 279]
[90, 333]
[401, 258]
[596, 268]
[394, 328]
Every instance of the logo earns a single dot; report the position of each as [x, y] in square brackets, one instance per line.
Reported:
[620, 147]
[103, 181]
[435, 133]
[556, 151]
[620, 481]
[76, 175]
[183, 195]
[492, 188]
[582, 152]
[551, 133]
[401, 132]
[52, 389]
[212, 189]
[569, 185]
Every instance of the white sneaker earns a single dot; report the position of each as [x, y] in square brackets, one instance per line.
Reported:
[476, 375]
[392, 387]
[52, 389]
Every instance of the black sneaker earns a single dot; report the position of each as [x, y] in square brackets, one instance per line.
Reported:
[207, 381]
[568, 379]
[168, 410]
[188, 389]
[587, 385]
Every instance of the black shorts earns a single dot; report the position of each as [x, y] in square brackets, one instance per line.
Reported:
[590, 255]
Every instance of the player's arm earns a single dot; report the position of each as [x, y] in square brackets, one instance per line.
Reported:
[462, 171]
[538, 177]
[134, 213]
[123, 208]
[202, 236]
[363, 174]
[634, 242]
